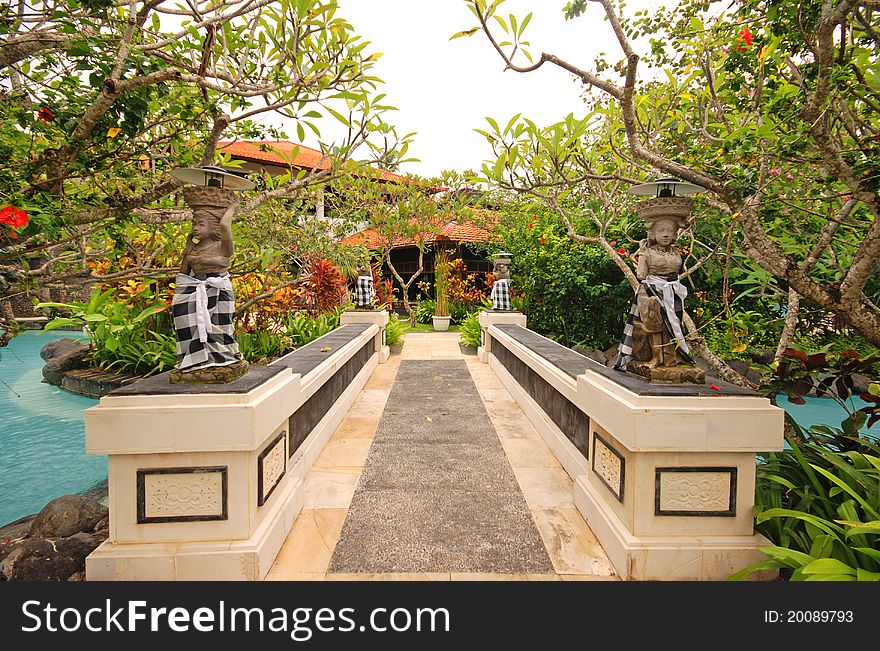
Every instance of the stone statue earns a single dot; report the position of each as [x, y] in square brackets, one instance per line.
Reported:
[654, 336]
[501, 288]
[209, 244]
[203, 304]
[363, 291]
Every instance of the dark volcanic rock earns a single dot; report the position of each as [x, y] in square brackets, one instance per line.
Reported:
[62, 358]
[39, 559]
[68, 515]
[16, 530]
[59, 347]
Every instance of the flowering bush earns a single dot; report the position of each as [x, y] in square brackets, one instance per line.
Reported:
[266, 314]
[13, 217]
[463, 289]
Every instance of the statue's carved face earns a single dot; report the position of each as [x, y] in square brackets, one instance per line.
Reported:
[665, 232]
[201, 228]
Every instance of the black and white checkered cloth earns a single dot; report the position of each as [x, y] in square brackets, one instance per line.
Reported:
[670, 294]
[202, 309]
[501, 295]
[363, 291]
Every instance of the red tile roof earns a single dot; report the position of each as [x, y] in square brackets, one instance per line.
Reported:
[280, 153]
[453, 230]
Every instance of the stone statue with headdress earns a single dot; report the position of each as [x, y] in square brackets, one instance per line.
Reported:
[204, 305]
[654, 334]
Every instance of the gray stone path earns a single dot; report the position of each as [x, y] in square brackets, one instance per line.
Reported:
[437, 493]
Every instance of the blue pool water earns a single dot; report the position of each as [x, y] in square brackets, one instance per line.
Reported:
[42, 432]
[824, 411]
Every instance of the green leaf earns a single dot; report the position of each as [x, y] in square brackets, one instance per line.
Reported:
[525, 22]
[846, 487]
[60, 322]
[828, 566]
[865, 575]
[467, 32]
[790, 557]
[769, 564]
[869, 552]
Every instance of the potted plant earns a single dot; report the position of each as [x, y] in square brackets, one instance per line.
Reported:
[441, 316]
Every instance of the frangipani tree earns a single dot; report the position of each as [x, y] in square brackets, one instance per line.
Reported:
[771, 106]
[101, 99]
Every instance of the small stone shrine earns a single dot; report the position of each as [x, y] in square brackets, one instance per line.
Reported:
[501, 288]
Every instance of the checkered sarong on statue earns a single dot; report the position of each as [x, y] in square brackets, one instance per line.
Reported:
[671, 294]
[501, 295]
[202, 309]
[363, 291]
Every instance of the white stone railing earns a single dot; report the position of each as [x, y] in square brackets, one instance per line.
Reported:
[664, 476]
[205, 481]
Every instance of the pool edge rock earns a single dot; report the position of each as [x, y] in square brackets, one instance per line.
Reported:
[53, 545]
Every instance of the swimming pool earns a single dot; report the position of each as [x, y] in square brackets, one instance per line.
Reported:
[823, 411]
[42, 432]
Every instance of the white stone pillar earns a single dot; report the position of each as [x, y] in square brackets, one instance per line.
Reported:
[489, 318]
[377, 317]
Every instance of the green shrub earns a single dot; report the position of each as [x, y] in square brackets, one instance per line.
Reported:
[424, 311]
[262, 346]
[394, 331]
[458, 312]
[302, 329]
[819, 503]
[125, 338]
[471, 330]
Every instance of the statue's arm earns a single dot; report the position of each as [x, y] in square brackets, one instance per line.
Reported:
[642, 265]
[184, 261]
[226, 230]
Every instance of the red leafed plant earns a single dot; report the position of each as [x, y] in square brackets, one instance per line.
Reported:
[323, 287]
[383, 287]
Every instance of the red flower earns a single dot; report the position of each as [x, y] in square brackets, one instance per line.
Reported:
[13, 217]
[530, 224]
[746, 36]
[621, 251]
[542, 240]
[714, 387]
[47, 115]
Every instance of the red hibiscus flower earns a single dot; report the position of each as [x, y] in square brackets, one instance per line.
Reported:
[621, 251]
[13, 217]
[746, 35]
[47, 115]
[542, 240]
[530, 224]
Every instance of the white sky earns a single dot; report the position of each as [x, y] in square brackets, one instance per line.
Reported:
[444, 89]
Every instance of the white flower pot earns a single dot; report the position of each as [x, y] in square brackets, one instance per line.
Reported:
[441, 322]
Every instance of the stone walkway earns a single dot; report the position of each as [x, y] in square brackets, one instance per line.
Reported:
[402, 510]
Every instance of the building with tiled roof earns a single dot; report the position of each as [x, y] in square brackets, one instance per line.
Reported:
[278, 156]
[464, 239]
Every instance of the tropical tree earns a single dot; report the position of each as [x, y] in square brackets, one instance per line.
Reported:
[403, 212]
[101, 99]
[773, 107]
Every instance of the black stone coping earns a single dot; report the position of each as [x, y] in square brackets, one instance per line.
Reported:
[159, 385]
[302, 360]
[306, 359]
[573, 364]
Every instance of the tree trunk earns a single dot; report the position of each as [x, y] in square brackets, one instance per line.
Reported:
[791, 321]
[406, 285]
